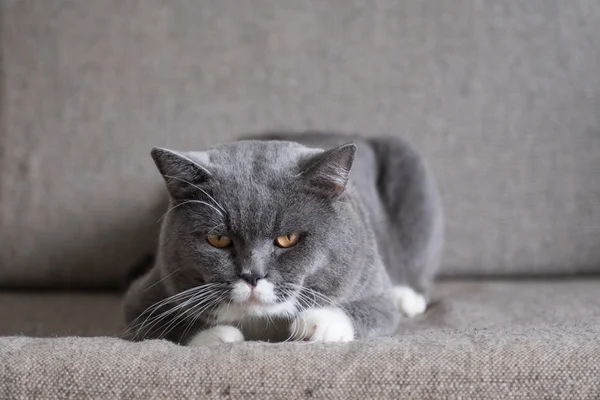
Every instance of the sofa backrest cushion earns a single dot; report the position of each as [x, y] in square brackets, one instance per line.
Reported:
[502, 97]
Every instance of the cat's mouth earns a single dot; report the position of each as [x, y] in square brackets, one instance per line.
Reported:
[258, 301]
[259, 295]
[253, 300]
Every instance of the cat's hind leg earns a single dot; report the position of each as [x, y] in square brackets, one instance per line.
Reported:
[412, 237]
[409, 302]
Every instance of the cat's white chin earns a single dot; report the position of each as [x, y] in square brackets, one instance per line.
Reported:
[237, 312]
[260, 302]
[262, 294]
[327, 324]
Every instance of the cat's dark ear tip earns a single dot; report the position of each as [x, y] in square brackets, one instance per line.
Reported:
[347, 151]
[349, 147]
[163, 158]
[160, 154]
[157, 152]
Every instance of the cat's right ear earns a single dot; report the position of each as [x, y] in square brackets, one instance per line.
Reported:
[328, 172]
[181, 173]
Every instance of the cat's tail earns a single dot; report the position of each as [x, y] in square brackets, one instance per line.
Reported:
[410, 197]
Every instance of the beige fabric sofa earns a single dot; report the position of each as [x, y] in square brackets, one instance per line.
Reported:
[502, 97]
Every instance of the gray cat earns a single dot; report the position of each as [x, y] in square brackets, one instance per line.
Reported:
[276, 239]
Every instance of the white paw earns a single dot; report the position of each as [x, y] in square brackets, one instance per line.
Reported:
[216, 335]
[322, 325]
[410, 302]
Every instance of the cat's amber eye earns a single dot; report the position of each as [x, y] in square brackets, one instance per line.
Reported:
[219, 241]
[288, 240]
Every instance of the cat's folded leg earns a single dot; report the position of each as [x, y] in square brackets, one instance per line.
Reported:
[376, 316]
[216, 335]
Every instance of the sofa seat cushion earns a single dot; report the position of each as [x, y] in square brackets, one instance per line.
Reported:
[514, 362]
[478, 340]
[455, 305]
[43, 314]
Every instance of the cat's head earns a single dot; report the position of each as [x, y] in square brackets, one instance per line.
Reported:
[255, 222]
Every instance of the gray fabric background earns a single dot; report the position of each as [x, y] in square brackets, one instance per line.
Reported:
[502, 97]
[493, 340]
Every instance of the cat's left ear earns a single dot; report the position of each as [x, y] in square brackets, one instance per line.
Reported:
[327, 173]
[182, 172]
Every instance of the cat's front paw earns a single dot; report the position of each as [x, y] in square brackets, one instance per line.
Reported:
[216, 335]
[322, 325]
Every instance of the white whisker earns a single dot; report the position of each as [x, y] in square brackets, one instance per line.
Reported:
[213, 228]
[302, 307]
[159, 304]
[188, 159]
[190, 201]
[156, 320]
[160, 280]
[200, 189]
[181, 317]
[202, 296]
[190, 291]
[316, 295]
[181, 296]
[198, 314]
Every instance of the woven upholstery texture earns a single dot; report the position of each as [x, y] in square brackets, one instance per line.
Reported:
[480, 340]
[516, 363]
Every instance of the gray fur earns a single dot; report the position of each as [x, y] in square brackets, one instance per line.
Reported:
[388, 213]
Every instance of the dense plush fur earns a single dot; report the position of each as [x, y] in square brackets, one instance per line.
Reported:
[371, 233]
